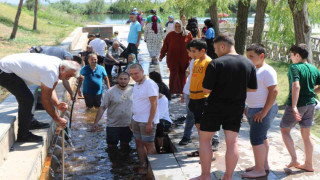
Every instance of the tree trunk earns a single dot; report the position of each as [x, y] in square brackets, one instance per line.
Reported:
[214, 17]
[242, 23]
[16, 21]
[35, 15]
[302, 28]
[259, 21]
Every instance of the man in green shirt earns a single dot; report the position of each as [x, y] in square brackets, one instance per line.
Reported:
[303, 80]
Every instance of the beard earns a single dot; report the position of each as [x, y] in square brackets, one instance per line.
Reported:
[123, 86]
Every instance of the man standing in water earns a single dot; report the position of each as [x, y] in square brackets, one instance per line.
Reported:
[145, 115]
[118, 101]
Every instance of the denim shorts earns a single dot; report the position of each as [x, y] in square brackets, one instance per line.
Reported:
[139, 131]
[116, 134]
[258, 131]
[307, 113]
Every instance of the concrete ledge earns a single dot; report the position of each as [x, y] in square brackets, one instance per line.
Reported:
[70, 42]
[106, 31]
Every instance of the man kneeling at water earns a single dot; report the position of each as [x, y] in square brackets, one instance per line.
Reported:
[118, 101]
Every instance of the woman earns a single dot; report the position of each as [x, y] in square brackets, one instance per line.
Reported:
[154, 36]
[192, 26]
[174, 47]
[209, 36]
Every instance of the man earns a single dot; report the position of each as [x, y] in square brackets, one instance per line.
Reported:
[93, 74]
[145, 115]
[134, 35]
[118, 101]
[52, 51]
[99, 46]
[303, 78]
[227, 80]
[18, 70]
[112, 58]
[85, 54]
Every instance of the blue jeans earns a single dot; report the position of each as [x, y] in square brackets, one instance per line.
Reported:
[258, 131]
[190, 122]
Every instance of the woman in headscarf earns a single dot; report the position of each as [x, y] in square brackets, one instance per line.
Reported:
[174, 47]
[154, 36]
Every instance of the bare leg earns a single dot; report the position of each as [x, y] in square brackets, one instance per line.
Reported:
[151, 149]
[259, 152]
[232, 154]
[266, 164]
[288, 141]
[142, 153]
[308, 150]
[205, 151]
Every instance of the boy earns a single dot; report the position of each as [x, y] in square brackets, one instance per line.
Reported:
[198, 48]
[303, 77]
[116, 38]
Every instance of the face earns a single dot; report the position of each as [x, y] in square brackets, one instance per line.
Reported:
[123, 80]
[89, 49]
[115, 46]
[66, 74]
[136, 74]
[177, 27]
[132, 18]
[170, 19]
[190, 54]
[295, 58]
[196, 53]
[130, 58]
[220, 49]
[183, 18]
[93, 60]
[256, 59]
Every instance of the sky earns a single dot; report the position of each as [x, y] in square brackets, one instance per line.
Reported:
[42, 1]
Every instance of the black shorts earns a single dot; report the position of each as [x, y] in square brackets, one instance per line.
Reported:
[92, 100]
[196, 107]
[162, 126]
[215, 115]
[116, 134]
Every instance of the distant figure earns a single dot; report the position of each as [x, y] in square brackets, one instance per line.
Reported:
[192, 26]
[52, 51]
[153, 13]
[183, 20]
[169, 24]
[93, 74]
[140, 19]
[112, 57]
[99, 46]
[118, 103]
[85, 54]
[208, 36]
[174, 47]
[163, 88]
[134, 35]
[17, 71]
[131, 60]
[304, 81]
[116, 36]
[90, 37]
[154, 36]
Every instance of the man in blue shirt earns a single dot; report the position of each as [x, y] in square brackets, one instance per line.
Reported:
[93, 81]
[134, 35]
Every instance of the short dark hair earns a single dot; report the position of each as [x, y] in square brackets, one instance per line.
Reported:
[198, 44]
[208, 23]
[153, 11]
[301, 49]
[135, 66]
[133, 13]
[224, 37]
[257, 48]
[188, 46]
[124, 73]
[91, 35]
[156, 77]
[98, 35]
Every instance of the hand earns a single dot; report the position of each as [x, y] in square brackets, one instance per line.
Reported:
[117, 62]
[72, 97]
[79, 93]
[296, 113]
[94, 127]
[149, 127]
[182, 99]
[160, 59]
[137, 45]
[62, 106]
[62, 122]
[81, 78]
[259, 116]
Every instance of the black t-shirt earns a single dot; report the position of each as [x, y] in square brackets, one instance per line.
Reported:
[229, 77]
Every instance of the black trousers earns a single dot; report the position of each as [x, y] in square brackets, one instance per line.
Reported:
[132, 48]
[16, 86]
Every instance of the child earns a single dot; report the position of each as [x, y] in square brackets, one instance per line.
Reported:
[303, 78]
[169, 24]
[131, 60]
[198, 48]
[262, 109]
[116, 36]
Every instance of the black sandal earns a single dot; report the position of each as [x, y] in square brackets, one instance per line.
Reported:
[193, 154]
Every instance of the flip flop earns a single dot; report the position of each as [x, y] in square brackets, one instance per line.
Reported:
[193, 154]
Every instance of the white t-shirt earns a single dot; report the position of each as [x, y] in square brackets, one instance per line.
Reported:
[186, 88]
[266, 77]
[163, 109]
[99, 46]
[170, 27]
[141, 104]
[33, 68]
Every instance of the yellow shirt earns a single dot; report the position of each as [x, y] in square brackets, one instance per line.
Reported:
[198, 73]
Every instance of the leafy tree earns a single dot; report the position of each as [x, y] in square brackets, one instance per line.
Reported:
[16, 21]
[242, 25]
[35, 15]
[259, 21]
[95, 6]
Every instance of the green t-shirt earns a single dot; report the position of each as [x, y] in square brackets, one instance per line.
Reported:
[308, 76]
[149, 19]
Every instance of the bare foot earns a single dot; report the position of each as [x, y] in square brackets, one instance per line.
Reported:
[305, 167]
[293, 164]
[253, 174]
[201, 178]
[252, 168]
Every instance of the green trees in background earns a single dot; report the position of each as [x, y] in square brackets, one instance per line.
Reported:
[16, 21]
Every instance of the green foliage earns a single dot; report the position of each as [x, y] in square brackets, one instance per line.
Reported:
[95, 6]
[314, 11]
[126, 6]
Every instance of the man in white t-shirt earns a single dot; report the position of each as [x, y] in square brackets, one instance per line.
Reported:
[17, 71]
[99, 46]
[145, 115]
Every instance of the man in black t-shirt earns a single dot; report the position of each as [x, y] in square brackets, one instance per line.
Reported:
[227, 79]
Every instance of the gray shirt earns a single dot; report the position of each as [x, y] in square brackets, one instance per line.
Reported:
[56, 51]
[119, 106]
[114, 53]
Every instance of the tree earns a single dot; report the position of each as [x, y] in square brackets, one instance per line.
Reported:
[35, 15]
[214, 16]
[16, 21]
[302, 28]
[241, 27]
[259, 21]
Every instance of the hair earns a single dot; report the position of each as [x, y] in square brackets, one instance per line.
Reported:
[71, 65]
[35, 49]
[208, 23]
[92, 54]
[133, 13]
[136, 66]
[198, 44]
[116, 32]
[153, 11]
[91, 35]
[156, 77]
[182, 16]
[124, 73]
[224, 37]
[257, 48]
[301, 49]
[98, 35]
[188, 46]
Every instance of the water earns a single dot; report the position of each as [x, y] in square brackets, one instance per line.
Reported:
[90, 159]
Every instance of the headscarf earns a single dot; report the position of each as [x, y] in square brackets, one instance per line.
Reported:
[154, 20]
[170, 21]
[183, 30]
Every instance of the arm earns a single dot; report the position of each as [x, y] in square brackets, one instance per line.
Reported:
[154, 103]
[98, 117]
[106, 79]
[272, 95]
[207, 90]
[164, 48]
[295, 98]
[111, 57]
